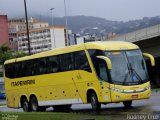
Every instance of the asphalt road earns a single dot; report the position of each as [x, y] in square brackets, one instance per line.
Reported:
[151, 106]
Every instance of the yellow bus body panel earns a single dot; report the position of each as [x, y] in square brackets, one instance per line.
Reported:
[71, 87]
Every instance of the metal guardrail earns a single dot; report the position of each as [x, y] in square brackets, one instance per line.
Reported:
[138, 35]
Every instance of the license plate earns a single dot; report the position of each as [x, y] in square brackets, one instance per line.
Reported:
[134, 96]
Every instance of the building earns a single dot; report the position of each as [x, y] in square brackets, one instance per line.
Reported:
[16, 25]
[42, 39]
[20, 24]
[4, 39]
[42, 36]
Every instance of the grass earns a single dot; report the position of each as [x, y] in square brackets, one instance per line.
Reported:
[56, 116]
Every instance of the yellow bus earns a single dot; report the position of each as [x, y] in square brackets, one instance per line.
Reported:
[96, 73]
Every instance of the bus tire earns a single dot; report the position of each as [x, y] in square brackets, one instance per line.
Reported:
[34, 104]
[96, 106]
[25, 105]
[127, 104]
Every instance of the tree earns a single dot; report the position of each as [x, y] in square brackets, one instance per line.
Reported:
[4, 48]
[6, 53]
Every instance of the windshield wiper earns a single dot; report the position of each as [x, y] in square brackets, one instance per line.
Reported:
[126, 75]
[133, 72]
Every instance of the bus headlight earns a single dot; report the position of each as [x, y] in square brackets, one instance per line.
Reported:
[148, 87]
[117, 90]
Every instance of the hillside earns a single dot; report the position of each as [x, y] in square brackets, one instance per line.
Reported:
[101, 26]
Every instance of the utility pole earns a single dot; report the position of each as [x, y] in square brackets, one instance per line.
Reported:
[66, 24]
[29, 48]
[53, 27]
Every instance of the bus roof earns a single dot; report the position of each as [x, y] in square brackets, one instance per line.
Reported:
[111, 45]
[106, 45]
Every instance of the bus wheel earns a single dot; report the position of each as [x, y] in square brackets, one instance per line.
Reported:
[96, 106]
[34, 104]
[25, 105]
[127, 104]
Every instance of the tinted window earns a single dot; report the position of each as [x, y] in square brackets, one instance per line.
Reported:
[102, 69]
[93, 54]
[36, 70]
[81, 61]
[29, 68]
[66, 61]
[18, 69]
[99, 64]
[51, 64]
[9, 70]
[42, 65]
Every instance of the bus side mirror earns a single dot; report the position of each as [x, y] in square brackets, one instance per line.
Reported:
[107, 60]
[150, 57]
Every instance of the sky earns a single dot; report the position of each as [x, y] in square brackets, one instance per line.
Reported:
[118, 10]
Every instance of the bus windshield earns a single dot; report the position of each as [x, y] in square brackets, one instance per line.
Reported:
[128, 67]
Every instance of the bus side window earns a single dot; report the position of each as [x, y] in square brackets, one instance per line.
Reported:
[66, 62]
[28, 68]
[22, 69]
[99, 64]
[81, 61]
[42, 67]
[9, 70]
[36, 69]
[101, 70]
[52, 64]
[17, 69]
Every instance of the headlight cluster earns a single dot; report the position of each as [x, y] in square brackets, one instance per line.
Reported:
[130, 91]
[148, 87]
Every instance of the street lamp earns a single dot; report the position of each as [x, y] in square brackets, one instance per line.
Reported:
[66, 23]
[51, 9]
[29, 47]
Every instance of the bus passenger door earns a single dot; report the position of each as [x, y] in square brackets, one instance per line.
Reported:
[102, 73]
